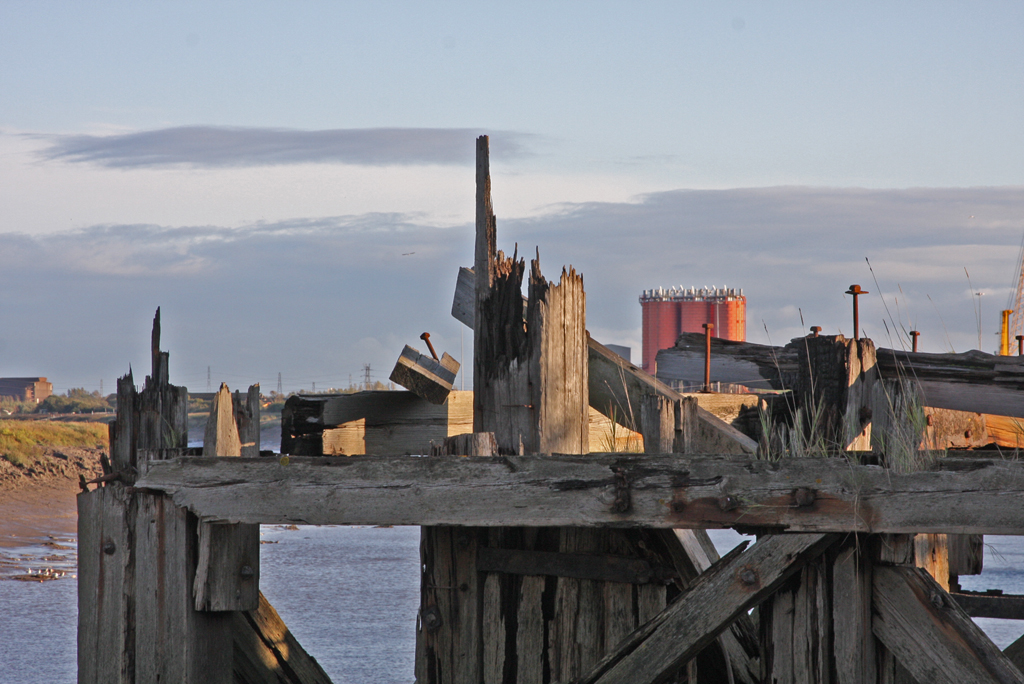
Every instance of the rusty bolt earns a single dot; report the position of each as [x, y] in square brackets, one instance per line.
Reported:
[727, 502]
[936, 599]
[109, 548]
[426, 338]
[247, 571]
[815, 329]
[804, 496]
[914, 335]
[855, 291]
[678, 506]
[748, 576]
[432, 619]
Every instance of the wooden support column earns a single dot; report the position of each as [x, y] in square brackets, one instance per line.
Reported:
[854, 652]
[137, 621]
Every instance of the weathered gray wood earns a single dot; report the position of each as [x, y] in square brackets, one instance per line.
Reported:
[105, 610]
[469, 444]
[383, 423]
[739, 582]
[930, 635]
[855, 656]
[173, 642]
[228, 567]
[965, 496]
[247, 420]
[592, 566]
[614, 386]
[494, 633]
[658, 424]
[971, 381]
[530, 633]
[123, 430]
[423, 376]
[265, 652]
[1015, 652]
[1002, 606]
[966, 554]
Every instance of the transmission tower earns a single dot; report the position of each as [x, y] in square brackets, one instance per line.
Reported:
[209, 387]
[366, 375]
[279, 384]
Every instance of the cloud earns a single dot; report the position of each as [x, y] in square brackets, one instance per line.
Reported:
[220, 146]
[315, 298]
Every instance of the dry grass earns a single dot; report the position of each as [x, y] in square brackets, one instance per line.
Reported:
[22, 441]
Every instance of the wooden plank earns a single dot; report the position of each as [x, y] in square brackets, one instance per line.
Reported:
[228, 567]
[658, 424]
[266, 652]
[930, 635]
[963, 496]
[469, 444]
[247, 420]
[592, 566]
[530, 633]
[423, 376]
[494, 632]
[966, 553]
[105, 611]
[173, 642]
[854, 649]
[1015, 652]
[932, 554]
[740, 581]
[971, 381]
[1002, 606]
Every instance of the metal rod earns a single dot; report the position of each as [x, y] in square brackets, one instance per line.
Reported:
[815, 329]
[855, 291]
[914, 335]
[1020, 345]
[708, 327]
[426, 338]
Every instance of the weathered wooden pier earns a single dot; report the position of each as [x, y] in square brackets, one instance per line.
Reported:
[543, 561]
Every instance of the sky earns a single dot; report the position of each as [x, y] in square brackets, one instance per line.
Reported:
[292, 183]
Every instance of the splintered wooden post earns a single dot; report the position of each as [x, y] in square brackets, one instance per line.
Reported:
[227, 573]
[855, 656]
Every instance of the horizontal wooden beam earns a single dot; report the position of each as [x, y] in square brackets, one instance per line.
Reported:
[1002, 606]
[736, 584]
[598, 567]
[971, 381]
[618, 490]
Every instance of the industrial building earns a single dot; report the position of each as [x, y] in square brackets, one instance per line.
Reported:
[669, 312]
[25, 389]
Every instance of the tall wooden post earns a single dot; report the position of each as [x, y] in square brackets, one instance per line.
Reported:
[138, 553]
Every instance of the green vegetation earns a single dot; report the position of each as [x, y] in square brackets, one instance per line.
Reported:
[22, 441]
[75, 401]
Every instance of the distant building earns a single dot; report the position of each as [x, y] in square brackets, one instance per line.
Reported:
[622, 351]
[667, 313]
[25, 389]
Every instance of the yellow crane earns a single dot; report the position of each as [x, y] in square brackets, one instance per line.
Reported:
[1013, 315]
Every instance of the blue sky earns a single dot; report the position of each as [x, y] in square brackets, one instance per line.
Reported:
[263, 170]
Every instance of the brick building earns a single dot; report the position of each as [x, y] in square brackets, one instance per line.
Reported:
[25, 389]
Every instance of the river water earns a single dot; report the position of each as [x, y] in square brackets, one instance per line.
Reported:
[349, 594]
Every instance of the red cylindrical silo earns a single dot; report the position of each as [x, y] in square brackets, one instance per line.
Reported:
[669, 312]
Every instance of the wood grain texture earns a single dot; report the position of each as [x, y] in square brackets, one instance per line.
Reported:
[173, 641]
[963, 496]
[424, 376]
[221, 437]
[739, 582]
[971, 381]
[266, 652]
[930, 635]
[854, 642]
[227, 573]
[105, 611]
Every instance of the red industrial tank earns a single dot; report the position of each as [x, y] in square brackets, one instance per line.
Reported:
[669, 312]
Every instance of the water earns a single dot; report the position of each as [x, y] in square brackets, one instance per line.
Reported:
[349, 594]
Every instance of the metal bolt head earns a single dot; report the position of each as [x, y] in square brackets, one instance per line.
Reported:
[432, 619]
[727, 502]
[247, 571]
[855, 290]
[748, 576]
[936, 599]
[804, 497]
[815, 329]
[109, 548]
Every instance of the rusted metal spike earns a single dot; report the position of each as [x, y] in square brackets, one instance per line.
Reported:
[855, 291]
[426, 338]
